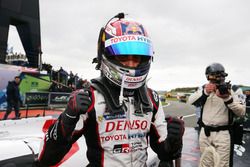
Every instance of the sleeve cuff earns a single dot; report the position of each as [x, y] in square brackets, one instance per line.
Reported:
[228, 100]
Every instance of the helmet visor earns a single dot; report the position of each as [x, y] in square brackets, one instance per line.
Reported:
[129, 45]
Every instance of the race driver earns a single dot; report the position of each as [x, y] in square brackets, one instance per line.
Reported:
[122, 115]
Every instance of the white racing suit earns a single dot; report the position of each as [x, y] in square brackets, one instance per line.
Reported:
[119, 140]
[215, 122]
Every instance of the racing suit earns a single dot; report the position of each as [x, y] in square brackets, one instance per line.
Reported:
[215, 120]
[113, 140]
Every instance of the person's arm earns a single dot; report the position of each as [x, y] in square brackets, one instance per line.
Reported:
[233, 103]
[199, 97]
[19, 96]
[9, 89]
[166, 140]
[61, 135]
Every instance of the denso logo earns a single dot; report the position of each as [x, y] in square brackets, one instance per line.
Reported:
[133, 79]
[125, 125]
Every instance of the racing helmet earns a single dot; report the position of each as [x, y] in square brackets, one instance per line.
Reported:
[121, 38]
[216, 72]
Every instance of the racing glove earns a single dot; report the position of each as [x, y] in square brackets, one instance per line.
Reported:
[79, 103]
[173, 143]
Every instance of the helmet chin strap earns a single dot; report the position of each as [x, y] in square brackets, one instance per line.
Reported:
[121, 91]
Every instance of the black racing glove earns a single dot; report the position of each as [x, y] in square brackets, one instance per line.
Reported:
[173, 143]
[79, 102]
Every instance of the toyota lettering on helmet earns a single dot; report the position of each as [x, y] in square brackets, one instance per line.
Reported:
[126, 38]
[129, 45]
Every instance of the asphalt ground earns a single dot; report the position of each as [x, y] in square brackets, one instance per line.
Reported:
[190, 152]
[176, 108]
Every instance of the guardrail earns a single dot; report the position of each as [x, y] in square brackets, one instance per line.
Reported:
[45, 99]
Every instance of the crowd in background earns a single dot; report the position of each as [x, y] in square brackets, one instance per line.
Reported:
[62, 81]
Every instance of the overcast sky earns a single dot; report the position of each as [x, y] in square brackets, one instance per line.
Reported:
[187, 36]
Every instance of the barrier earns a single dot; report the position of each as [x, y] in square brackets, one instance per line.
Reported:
[36, 98]
[45, 99]
[58, 98]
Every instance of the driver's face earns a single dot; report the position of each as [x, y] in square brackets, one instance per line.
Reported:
[129, 61]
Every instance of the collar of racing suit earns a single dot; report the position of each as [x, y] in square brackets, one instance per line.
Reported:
[111, 95]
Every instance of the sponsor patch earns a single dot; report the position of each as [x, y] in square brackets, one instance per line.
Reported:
[117, 116]
[122, 125]
[126, 148]
[155, 96]
[121, 148]
[100, 118]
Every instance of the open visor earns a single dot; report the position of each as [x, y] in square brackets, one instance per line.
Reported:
[129, 45]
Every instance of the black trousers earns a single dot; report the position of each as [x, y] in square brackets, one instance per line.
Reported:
[10, 105]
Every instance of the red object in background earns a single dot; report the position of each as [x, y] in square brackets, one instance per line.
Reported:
[31, 113]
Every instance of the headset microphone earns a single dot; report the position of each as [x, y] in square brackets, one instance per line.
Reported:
[119, 16]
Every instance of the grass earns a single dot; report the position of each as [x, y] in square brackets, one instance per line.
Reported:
[171, 99]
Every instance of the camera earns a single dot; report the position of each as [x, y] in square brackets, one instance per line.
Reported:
[224, 88]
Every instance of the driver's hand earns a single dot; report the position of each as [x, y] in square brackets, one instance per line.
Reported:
[79, 103]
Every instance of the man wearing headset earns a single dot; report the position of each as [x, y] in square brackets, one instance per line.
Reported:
[117, 106]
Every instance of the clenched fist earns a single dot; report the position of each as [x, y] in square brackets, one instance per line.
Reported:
[79, 102]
